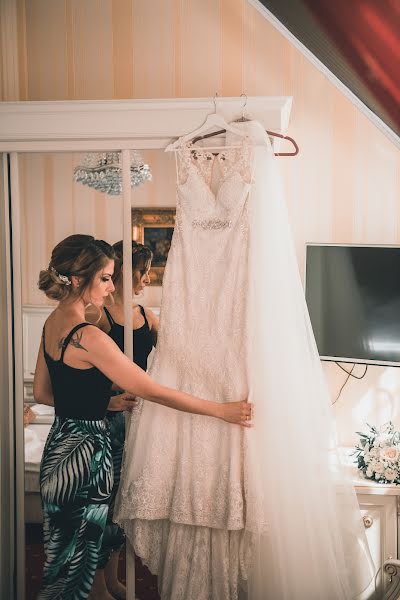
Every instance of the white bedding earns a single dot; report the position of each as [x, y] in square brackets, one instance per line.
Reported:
[35, 438]
[44, 413]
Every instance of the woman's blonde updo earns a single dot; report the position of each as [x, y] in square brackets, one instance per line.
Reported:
[141, 258]
[80, 255]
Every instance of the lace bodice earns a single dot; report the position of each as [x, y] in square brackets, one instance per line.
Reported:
[212, 186]
[229, 160]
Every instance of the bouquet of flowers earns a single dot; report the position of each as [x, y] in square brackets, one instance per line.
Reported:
[378, 454]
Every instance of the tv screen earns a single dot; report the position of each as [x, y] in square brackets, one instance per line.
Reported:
[353, 297]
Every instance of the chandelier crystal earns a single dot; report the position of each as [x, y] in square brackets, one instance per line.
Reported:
[103, 171]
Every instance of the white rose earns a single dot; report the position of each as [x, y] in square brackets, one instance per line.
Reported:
[390, 453]
[369, 472]
[390, 474]
[374, 452]
[378, 468]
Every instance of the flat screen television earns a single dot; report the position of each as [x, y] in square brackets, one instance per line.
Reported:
[353, 297]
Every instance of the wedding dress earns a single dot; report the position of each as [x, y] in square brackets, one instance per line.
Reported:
[218, 512]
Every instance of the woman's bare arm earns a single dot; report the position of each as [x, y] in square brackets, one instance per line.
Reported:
[104, 354]
[42, 390]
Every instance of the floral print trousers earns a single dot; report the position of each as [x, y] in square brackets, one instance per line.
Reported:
[76, 481]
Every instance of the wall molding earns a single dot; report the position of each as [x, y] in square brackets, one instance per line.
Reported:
[115, 124]
[33, 319]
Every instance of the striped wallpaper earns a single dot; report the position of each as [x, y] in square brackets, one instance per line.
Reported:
[343, 186]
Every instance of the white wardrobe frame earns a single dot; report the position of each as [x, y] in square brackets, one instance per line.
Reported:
[75, 126]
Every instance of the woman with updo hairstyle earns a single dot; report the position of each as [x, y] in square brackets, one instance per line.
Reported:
[76, 255]
[76, 365]
[145, 328]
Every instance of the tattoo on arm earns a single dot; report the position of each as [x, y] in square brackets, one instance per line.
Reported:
[75, 341]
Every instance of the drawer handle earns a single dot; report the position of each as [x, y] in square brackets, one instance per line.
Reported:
[368, 521]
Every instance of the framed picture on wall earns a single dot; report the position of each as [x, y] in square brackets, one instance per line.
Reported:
[154, 228]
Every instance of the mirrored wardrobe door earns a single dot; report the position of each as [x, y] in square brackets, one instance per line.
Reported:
[53, 206]
[60, 196]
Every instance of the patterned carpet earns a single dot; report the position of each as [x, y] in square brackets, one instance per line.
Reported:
[146, 583]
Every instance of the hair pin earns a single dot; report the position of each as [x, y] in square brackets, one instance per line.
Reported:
[64, 279]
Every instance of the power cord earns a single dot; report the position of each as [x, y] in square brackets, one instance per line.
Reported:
[349, 374]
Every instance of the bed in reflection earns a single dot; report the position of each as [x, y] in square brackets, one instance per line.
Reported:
[35, 439]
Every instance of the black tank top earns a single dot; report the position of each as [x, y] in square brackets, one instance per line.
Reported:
[142, 339]
[78, 393]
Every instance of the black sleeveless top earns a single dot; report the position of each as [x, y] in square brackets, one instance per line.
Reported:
[142, 339]
[78, 393]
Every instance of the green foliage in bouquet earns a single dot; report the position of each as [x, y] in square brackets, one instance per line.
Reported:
[378, 454]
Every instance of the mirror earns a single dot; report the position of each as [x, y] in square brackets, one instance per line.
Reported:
[53, 206]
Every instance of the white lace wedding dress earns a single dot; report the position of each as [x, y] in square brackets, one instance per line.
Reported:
[183, 501]
[208, 506]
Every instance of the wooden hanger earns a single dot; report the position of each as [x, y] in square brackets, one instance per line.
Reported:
[217, 120]
[243, 119]
[284, 137]
[213, 120]
[270, 133]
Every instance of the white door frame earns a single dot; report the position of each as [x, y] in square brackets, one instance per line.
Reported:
[7, 436]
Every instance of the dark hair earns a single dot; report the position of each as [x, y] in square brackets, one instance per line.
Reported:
[141, 258]
[80, 255]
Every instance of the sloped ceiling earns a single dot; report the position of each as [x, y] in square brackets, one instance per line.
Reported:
[299, 20]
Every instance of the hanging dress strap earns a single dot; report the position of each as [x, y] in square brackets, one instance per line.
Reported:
[144, 316]
[68, 338]
[109, 317]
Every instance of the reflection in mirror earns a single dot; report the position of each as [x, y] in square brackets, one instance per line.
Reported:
[54, 207]
[154, 228]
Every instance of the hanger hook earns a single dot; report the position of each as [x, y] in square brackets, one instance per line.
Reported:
[245, 103]
[215, 102]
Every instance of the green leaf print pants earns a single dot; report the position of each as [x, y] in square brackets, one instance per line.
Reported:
[76, 481]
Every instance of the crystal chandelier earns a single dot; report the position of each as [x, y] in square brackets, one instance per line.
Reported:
[103, 171]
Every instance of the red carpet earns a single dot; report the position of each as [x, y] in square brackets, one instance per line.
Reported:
[146, 583]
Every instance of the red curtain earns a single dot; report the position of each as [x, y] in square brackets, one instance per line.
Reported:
[367, 32]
